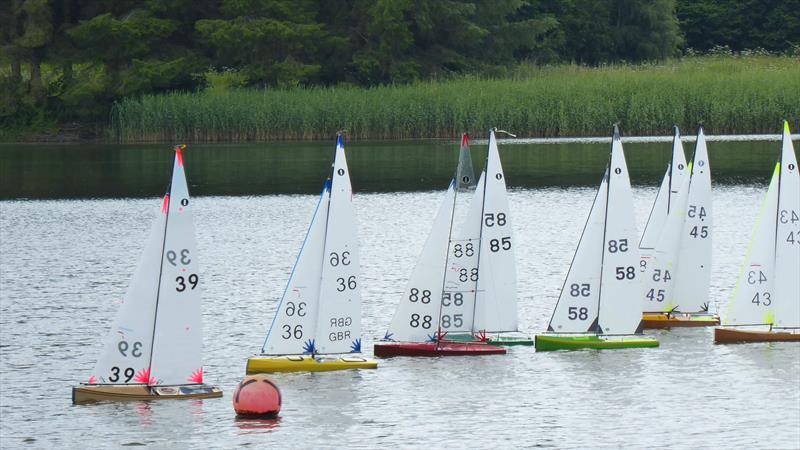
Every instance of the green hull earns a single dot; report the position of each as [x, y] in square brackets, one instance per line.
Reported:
[505, 341]
[552, 342]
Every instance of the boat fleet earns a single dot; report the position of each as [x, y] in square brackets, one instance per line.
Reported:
[461, 296]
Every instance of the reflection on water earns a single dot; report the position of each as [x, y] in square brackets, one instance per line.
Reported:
[64, 264]
[257, 426]
[101, 171]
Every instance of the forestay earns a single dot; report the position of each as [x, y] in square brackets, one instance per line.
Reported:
[619, 311]
[659, 276]
[496, 298]
[787, 245]
[461, 275]
[295, 321]
[576, 310]
[673, 179]
[128, 345]
[418, 312]
[753, 295]
[178, 336]
[693, 275]
[339, 325]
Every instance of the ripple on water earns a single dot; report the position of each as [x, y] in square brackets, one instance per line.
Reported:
[65, 265]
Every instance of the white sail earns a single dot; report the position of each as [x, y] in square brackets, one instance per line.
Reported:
[339, 317]
[674, 178]
[461, 275]
[417, 314]
[620, 289]
[127, 347]
[753, 296]
[693, 275]
[178, 335]
[576, 310]
[294, 325]
[787, 245]
[656, 220]
[496, 299]
[659, 278]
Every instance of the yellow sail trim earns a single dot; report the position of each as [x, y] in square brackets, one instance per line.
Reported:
[772, 186]
[769, 317]
[786, 127]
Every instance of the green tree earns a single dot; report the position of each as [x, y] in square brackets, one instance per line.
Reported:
[274, 42]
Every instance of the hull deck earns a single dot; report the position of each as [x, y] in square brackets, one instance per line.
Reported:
[575, 342]
[740, 336]
[505, 341]
[444, 348]
[86, 393]
[305, 363]
[658, 321]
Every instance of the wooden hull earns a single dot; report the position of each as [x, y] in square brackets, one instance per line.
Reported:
[390, 349]
[86, 393]
[302, 363]
[505, 341]
[658, 321]
[739, 336]
[575, 342]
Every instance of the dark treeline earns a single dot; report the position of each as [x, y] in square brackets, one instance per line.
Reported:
[69, 60]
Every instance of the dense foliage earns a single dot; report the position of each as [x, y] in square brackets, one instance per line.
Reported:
[726, 94]
[70, 60]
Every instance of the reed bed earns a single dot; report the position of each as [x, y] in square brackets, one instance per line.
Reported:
[726, 94]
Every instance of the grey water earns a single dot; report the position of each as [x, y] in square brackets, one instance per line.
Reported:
[73, 223]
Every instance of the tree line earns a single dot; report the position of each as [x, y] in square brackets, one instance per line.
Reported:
[69, 60]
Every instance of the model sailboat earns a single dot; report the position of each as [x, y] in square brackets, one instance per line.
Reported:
[678, 274]
[320, 311]
[599, 305]
[765, 306]
[481, 266]
[463, 281]
[154, 349]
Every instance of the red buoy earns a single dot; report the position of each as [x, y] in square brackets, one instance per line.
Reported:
[257, 396]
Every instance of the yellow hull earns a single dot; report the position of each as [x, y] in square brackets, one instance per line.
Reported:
[86, 393]
[273, 364]
[655, 321]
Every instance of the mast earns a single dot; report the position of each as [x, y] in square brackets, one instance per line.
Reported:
[598, 329]
[165, 210]
[480, 233]
[465, 136]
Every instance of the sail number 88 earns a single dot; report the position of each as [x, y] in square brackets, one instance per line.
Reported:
[415, 322]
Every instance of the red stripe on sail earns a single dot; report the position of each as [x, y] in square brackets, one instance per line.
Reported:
[179, 153]
[465, 140]
[165, 205]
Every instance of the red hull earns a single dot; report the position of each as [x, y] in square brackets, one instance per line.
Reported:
[386, 350]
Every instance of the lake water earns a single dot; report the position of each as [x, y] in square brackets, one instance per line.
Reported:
[73, 224]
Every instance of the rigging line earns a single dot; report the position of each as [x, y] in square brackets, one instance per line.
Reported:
[161, 271]
[652, 209]
[291, 275]
[325, 240]
[485, 175]
[676, 140]
[453, 184]
[605, 229]
[575, 255]
[447, 256]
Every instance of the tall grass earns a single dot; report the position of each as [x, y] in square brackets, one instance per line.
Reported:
[726, 94]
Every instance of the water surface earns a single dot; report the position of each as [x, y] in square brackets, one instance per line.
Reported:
[65, 264]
